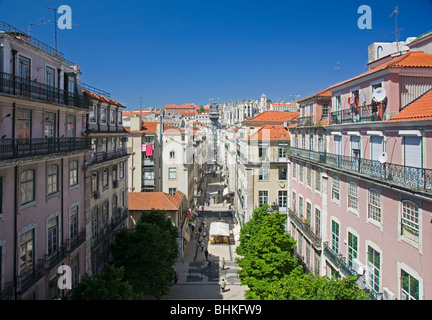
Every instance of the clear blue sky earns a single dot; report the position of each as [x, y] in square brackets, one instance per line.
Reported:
[189, 51]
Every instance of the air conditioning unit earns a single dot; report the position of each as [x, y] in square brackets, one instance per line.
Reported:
[358, 267]
[96, 194]
[388, 295]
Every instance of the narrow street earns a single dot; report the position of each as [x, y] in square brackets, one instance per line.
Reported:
[196, 279]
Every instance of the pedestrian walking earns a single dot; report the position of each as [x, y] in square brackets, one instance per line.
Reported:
[202, 246]
[209, 261]
[223, 285]
[223, 263]
[204, 234]
[206, 254]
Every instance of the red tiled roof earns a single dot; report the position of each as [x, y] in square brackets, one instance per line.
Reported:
[326, 93]
[419, 109]
[411, 59]
[146, 201]
[146, 127]
[271, 132]
[279, 116]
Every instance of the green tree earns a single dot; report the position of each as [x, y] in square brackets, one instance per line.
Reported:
[110, 285]
[265, 252]
[200, 110]
[148, 253]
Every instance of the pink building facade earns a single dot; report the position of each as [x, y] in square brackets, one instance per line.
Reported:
[42, 221]
[361, 198]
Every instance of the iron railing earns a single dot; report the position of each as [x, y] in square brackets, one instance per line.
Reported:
[109, 228]
[105, 156]
[417, 179]
[27, 88]
[26, 38]
[20, 148]
[305, 229]
[370, 112]
[43, 266]
[305, 121]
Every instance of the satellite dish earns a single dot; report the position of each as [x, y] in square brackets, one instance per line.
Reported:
[379, 94]
[383, 157]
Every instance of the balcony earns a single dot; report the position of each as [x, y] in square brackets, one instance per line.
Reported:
[306, 230]
[338, 261]
[21, 148]
[106, 156]
[108, 230]
[305, 121]
[371, 112]
[28, 89]
[415, 179]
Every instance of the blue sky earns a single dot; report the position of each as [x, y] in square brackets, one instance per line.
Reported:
[155, 52]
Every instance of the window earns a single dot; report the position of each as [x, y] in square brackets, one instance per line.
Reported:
[317, 264]
[120, 117]
[122, 170]
[114, 206]
[73, 222]
[410, 221]
[74, 262]
[27, 185]
[317, 180]
[283, 173]
[172, 173]
[352, 248]
[172, 155]
[148, 177]
[294, 202]
[410, 287]
[335, 236]
[105, 178]
[353, 196]
[93, 114]
[317, 222]
[112, 116]
[95, 222]
[73, 173]
[105, 213]
[374, 267]
[282, 200]
[26, 241]
[52, 236]
[172, 191]
[294, 170]
[374, 205]
[325, 110]
[303, 141]
[262, 197]
[114, 173]
[311, 142]
[335, 188]
[103, 115]
[23, 123]
[52, 179]
[308, 176]
[263, 173]
[300, 207]
[113, 144]
[308, 212]
[50, 125]
[282, 152]
[70, 126]
[301, 173]
[24, 67]
[95, 181]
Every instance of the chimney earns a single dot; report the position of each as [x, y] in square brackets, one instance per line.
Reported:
[135, 123]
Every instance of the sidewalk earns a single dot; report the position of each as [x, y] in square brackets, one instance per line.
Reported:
[197, 280]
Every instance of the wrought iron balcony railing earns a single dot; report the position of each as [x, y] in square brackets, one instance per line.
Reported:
[306, 230]
[109, 228]
[20, 148]
[305, 121]
[25, 37]
[417, 179]
[26, 88]
[370, 112]
[105, 156]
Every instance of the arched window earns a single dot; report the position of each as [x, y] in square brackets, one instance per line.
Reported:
[27, 186]
[410, 220]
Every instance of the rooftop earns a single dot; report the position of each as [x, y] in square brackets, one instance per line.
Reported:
[146, 201]
[419, 109]
[274, 116]
[271, 132]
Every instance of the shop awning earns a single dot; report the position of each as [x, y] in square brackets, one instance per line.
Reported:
[219, 229]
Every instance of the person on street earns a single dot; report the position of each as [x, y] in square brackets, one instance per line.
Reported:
[223, 263]
[223, 285]
[206, 254]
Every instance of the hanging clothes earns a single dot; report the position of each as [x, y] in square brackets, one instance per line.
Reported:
[149, 150]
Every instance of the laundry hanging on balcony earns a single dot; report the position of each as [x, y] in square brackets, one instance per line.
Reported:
[149, 150]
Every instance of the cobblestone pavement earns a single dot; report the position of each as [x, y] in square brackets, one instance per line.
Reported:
[199, 280]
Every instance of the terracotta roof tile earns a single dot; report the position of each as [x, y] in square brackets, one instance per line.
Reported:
[271, 132]
[419, 109]
[279, 116]
[146, 201]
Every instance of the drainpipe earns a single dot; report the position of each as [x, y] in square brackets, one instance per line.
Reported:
[15, 266]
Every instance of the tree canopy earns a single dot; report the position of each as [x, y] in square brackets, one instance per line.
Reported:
[270, 270]
[148, 253]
